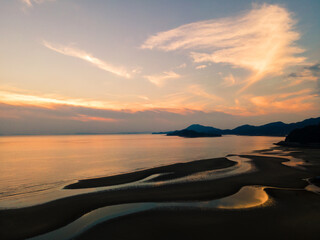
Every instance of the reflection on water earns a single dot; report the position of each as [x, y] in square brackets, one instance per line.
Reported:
[35, 199]
[292, 161]
[93, 218]
[295, 162]
[243, 165]
[313, 188]
[247, 197]
[40, 165]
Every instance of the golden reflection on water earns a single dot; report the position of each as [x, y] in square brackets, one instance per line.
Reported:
[313, 188]
[33, 163]
[247, 197]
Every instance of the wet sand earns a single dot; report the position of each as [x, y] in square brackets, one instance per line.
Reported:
[174, 171]
[294, 212]
[292, 215]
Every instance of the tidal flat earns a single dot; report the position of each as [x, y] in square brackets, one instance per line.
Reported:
[188, 200]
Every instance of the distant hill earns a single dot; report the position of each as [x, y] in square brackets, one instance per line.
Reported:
[192, 134]
[308, 136]
[270, 129]
[204, 129]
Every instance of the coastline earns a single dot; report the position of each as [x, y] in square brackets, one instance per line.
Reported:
[298, 145]
[270, 172]
[176, 170]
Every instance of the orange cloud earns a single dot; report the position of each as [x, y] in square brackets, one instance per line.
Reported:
[294, 102]
[199, 91]
[229, 80]
[170, 103]
[49, 102]
[298, 104]
[193, 98]
[301, 101]
[261, 40]
[201, 67]
[86, 118]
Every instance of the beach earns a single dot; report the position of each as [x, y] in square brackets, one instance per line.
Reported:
[290, 210]
[159, 120]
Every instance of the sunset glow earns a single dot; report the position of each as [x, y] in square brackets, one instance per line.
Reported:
[90, 64]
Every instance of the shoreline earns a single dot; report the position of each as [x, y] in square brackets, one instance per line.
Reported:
[298, 145]
[176, 170]
[32, 221]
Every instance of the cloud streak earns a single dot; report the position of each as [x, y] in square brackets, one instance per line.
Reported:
[201, 67]
[261, 41]
[29, 3]
[140, 103]
[53, 115]
[70, 120]
[160, 79]
[291, 102]
[229, 80]
[74, 52]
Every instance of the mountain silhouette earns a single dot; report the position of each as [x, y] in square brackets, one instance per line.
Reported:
[308, 136]
[270, 129]
[204, 129]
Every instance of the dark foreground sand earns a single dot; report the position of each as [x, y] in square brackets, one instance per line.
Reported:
[293, 214]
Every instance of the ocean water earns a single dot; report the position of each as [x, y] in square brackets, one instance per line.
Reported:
[41, 165]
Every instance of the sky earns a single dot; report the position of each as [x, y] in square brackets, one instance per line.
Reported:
[109, 66]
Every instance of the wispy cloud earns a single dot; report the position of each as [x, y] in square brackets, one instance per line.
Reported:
[29, 3]
[160, 79]
[70, 119]
[171, 103]
[294, 102]
[261, 41]
[183, 65]
[86, 118]
[74, 52]
[201, 67]
[54, 114]
[16, 98]
[309, 73]
[197, 90]
[229, 80]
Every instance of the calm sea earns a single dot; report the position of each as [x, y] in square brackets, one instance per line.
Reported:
[31, 165]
